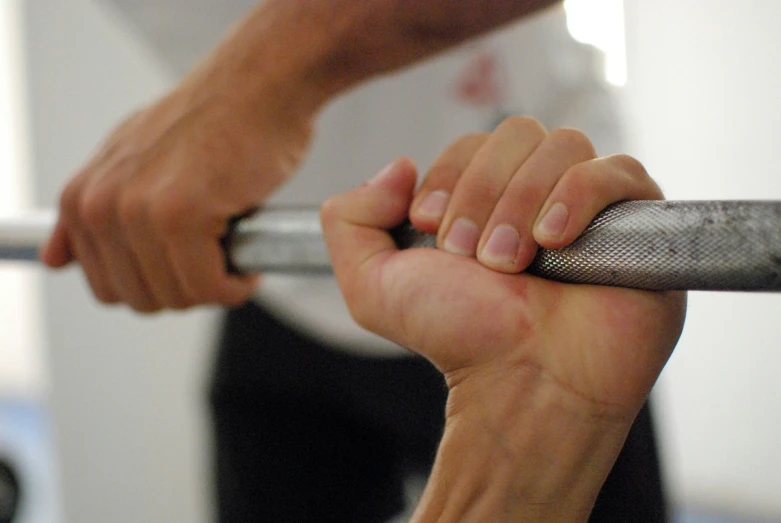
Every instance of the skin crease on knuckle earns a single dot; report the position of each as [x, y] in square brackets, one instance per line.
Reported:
[567, 139]
[481, 188]
[631, 165]
[620, 175]
[523, 126]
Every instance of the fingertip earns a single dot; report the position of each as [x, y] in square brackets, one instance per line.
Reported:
[238, 290]
[551, 230]
[507, 251]
[427, 214]
[55, 252]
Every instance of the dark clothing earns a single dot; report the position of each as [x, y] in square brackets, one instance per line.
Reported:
[306, 433]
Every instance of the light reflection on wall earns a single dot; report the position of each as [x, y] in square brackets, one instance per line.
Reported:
[601, 24]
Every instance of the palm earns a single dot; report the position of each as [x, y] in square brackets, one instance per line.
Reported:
[605, 344]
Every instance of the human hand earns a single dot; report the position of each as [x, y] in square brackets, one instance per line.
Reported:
[571, 361]
[144, 217]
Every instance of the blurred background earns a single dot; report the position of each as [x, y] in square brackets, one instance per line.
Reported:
[102, 412]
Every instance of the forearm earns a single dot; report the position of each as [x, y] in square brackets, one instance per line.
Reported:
[527, 453]
[314, 49]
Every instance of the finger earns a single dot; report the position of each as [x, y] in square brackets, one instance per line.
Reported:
[149, 240]
[105, 222]
[484, 181]
[355, 229]
[586, 189]
[507, 243]
[59, 248]
[124, 271]
[81, 245]
[88, 256]
[56, 251]
[430, 202]
[154, 267]
[199, 264]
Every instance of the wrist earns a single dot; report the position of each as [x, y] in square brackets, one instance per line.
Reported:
[529, 452]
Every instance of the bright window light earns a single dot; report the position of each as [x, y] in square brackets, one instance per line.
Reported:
[601, 23]
[20, 363]
[11, 110]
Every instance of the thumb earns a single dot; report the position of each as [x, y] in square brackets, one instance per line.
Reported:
[355, 226]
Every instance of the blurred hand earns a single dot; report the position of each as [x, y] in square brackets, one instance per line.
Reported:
[493, 199]
[144, 217]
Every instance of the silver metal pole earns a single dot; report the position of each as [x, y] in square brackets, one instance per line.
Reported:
[22, 234]
[694, 245]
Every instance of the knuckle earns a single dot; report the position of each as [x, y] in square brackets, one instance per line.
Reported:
[580, 180]
[572, 139]
[170, 214]
[637, 173]
[451, 164]
[580, 173]
[588, 178]
[131, 209]
[523, 125]
[468, 141]
[630, 165]
[482, 188]
[95, 211]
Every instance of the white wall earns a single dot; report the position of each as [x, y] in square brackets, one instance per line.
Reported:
[127, 393]
[703, 94]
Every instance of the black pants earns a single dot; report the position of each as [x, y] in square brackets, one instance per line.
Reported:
[305, 433]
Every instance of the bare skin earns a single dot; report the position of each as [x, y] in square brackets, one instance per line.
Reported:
[545, 378]
[144, 217]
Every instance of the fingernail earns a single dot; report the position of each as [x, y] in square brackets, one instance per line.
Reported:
[554, 221]
[384, 173]
[463, 237]
[502, 245]
[434, 205]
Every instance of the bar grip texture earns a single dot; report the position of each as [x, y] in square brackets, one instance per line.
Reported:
[665, 245]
